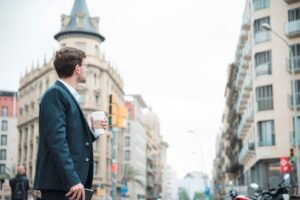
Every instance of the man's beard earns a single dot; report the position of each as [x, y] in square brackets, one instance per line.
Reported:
[81, 79]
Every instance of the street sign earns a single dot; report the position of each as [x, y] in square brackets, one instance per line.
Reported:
[285, 165]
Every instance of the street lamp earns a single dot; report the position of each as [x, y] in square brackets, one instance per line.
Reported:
[268, 27]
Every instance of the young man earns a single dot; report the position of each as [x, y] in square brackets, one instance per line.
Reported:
[64, 164]
[19, 185]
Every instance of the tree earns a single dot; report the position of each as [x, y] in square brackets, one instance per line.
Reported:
[182, 194]
[132, 175]
[198, 196]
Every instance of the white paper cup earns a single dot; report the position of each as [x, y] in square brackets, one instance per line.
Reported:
[97, 118]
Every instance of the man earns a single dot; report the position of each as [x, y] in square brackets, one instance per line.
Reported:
[19, 185]
[64, 164]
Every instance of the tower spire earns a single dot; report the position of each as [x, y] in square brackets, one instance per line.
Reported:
[79, 22]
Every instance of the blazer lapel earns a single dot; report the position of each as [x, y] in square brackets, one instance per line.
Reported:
[58, 83]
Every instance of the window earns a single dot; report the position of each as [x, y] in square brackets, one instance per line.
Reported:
[261, 35]
[82, 97]
[32, 106]
[95, 167]
[297, 91]
[261, 4]
[4, 125]
[263, 63]
[3, 140]
[295, 59]
[4, 112]
[264, 98]
[127, 141]
[2, 154]
[294, 14]
[266, 133]
[80, 45]
[26, 109]
[259, 22]
[80, 21]
[97, 53]
[2, 169]
[127, 155]
[97, 99]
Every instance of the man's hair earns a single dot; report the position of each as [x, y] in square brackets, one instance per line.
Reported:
[66, 59]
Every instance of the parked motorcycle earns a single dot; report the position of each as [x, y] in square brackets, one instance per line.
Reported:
[280, 193]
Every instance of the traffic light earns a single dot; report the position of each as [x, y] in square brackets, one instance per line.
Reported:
[113, 111]
[292, 155]
[122, 117]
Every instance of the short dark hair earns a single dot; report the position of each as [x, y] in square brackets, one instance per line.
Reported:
[66, 59]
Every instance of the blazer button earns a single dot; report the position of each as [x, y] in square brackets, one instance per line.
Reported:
[86, 159]
[87, 144]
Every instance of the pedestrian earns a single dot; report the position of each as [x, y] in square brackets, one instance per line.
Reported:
[64, 164]
[19, 185]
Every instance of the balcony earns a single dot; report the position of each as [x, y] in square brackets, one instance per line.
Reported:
[232, 165]
[270, 141]
[246, 24]
[293, 139]
[263, 69]
[291, 1]
[290, 100]
[293, 62]
[245, 64]
[247, 151]
[245, 123]
[247, 52]
[292, 28]
[262, 36]
[244, 93]
[244, 36]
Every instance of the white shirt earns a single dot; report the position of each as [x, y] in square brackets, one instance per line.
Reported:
[71, 89]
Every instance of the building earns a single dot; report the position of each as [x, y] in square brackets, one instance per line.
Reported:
[259, 91]
[81, 31]
[154, 169]
[135, 144]
[8, 139]
[170, 184]
[195, 182]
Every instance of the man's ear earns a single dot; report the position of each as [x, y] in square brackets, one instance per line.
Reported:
[77, 69]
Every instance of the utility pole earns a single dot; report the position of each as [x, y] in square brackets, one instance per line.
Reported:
[114, 163]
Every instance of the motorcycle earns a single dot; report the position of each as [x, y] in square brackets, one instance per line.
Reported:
[281, 193]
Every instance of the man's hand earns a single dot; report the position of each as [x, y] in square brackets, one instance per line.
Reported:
[104, 123]
[76, 192]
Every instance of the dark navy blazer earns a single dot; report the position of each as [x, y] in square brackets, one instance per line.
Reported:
[65, 152]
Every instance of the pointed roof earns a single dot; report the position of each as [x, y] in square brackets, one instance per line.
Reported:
[79, 22]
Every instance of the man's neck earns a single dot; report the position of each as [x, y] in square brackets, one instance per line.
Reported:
[71, 81]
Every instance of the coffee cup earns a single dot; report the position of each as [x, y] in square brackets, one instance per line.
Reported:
[98, 116]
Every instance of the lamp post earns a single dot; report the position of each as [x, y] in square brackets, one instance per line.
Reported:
[268, 27]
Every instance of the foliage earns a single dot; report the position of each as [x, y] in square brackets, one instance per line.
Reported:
[182, 194]
[199, 196]
[132, 174]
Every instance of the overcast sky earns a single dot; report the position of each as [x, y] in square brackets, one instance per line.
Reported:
[174, 53]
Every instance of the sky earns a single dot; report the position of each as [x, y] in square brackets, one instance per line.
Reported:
[174, 53]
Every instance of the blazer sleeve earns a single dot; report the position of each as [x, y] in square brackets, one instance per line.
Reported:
[53, 119]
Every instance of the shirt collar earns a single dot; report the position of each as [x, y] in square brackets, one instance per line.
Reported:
[71, 89]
